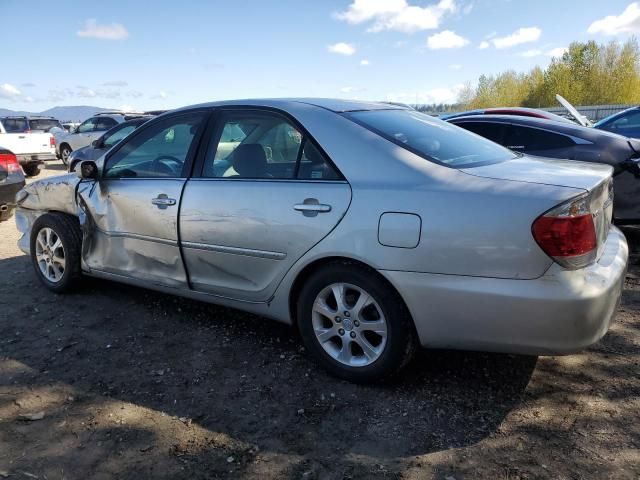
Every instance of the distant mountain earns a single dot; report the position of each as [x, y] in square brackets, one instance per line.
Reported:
[64, 114]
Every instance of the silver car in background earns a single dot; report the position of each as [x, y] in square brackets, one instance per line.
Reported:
[372, 228]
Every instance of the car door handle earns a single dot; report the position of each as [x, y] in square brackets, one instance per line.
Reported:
[310, 207]
[163, 201]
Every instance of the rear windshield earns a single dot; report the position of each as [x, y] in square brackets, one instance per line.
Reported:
[431, 138]
[44, 124]
[15, 125]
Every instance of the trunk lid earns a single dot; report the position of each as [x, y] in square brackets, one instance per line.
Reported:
[561, 173]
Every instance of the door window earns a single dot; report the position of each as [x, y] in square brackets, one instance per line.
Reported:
[87, 126]
[160, 150]
[15, 125]
[110, 139]
[491, 131]
[105, 123]
[528, 139]
[628, 121]
[264, 146]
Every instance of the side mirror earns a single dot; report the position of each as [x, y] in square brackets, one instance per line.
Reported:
[88, 170]
[95, 143]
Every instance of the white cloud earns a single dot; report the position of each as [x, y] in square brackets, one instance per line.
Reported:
[342, 48]
[627, 22]
[86, 92]
[435, 95]
[364, 62]
[483, 45]
[114, 31]
[396, 15]
[161, 94]
[520, 36]
[455, 66]
[126, 108]
[115, 83]
[446, 39]
[348, 89]
[557, 52]
[9, 92]
[531, 53]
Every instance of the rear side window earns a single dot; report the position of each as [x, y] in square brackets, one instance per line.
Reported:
[527, 139]
[105, 123]
[629, 120]
[261, 145]
[15, 125]
[431, 138]
[491, 131]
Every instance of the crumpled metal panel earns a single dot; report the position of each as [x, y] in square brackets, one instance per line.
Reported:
[52, 194]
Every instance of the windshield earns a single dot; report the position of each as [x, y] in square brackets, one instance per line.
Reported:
[432, 138]
[44, 124]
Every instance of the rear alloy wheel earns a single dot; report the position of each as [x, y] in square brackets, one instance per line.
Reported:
[354, 323]
[65, 151]
[55, 250]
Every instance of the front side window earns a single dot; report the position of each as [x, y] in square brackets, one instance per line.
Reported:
[529, 139]
[431, 138]
[258, 145]
[160, 150]
[87, 126]
[110, 139]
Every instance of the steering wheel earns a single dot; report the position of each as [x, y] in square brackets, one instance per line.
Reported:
[158, 164]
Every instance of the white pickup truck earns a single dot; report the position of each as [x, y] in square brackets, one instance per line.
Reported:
[31, 148]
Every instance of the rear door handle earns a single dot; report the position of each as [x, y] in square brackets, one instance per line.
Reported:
[163, 201]
[311, 207]
[304, 207]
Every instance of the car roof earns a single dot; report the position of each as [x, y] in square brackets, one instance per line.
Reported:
[332, 104]
[565, 127]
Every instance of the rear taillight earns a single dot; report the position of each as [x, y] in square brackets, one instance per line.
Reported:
[568, 233]
[52, 141]
[9, 162]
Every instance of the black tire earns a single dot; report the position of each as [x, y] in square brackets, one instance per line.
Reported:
[401, 338]
[65, 151]
[67, 229]
[31, 169]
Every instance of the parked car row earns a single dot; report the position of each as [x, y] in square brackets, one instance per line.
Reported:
[373, 228]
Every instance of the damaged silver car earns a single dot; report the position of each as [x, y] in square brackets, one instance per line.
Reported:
[371, 227]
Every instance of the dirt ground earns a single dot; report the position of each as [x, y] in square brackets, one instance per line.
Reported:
[119, 382]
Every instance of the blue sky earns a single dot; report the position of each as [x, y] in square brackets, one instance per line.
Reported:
[165, 54]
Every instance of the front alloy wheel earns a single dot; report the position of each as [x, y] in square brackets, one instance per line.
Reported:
[55, 250]
[50, 255]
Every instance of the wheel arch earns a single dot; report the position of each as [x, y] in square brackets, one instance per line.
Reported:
[321, 263]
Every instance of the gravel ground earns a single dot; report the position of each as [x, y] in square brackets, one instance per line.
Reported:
[119, 382]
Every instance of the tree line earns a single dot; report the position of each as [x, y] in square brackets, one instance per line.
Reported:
[586, 74]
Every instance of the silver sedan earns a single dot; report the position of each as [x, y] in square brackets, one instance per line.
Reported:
[372, 228]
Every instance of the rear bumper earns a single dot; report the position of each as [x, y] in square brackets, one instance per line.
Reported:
[561, 312]
[35, 157]
[8, 192]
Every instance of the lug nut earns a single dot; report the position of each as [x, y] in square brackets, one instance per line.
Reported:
[353, 334]
[338, 319]
[341, 331]
[356, 323]
[347, 314]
